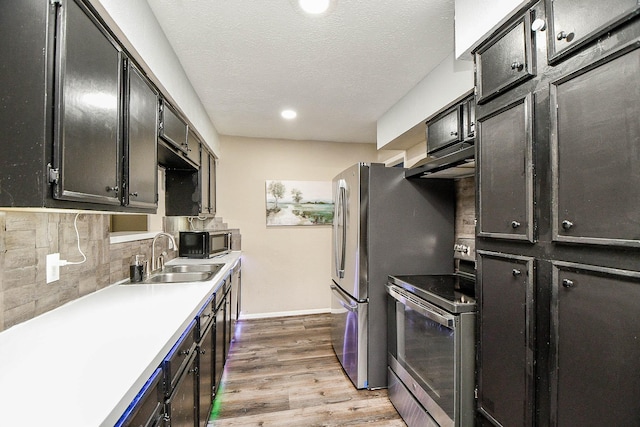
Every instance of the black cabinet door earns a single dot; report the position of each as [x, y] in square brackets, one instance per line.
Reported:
[506, 341]
[141, 163]
[205, 374]
[505, 61]
[595, 138]
[148, 409]
[576, 23]
[182, 402]
[219, 350]
[87, 149]
[205, 177]
[228, 323]
[594, 342]
[505, 177]
[445, 129]
[193, 147]
[173, 129]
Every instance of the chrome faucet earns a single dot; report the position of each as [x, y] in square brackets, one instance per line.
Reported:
[153, 249]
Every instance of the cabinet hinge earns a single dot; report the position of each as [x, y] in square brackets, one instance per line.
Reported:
[54, 174]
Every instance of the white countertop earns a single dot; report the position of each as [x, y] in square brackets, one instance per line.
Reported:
[81, 364]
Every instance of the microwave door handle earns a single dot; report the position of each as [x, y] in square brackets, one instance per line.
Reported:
[422, 308]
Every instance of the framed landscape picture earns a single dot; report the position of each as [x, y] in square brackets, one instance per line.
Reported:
[298, 203]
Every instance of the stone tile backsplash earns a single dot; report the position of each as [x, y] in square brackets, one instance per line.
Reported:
[25, 240]
[465, 208]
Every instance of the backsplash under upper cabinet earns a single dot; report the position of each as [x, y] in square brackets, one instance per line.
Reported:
[25, 240]
[465, 226]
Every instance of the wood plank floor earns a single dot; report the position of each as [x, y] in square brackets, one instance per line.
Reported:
[283, 372]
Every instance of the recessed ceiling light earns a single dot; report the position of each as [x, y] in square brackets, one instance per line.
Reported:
[314, 7]
[288, 114]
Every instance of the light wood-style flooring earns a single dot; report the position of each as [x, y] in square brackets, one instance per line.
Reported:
[283, 372]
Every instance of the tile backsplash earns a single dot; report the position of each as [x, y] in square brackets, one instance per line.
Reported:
[25, 240]
[465, 208]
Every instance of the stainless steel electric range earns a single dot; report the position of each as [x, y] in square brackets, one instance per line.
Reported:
[431, 344]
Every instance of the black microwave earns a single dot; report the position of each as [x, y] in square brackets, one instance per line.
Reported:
[203, 244]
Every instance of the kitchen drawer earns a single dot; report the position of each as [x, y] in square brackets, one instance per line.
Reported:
[147, 408]
[178, 357]
[204, 317]
[505, 61]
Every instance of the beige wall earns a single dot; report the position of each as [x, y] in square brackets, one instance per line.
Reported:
[284, 269]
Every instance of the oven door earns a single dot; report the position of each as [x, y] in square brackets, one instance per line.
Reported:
[422, 352]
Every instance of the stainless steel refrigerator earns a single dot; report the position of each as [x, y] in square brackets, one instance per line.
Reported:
[383, 225]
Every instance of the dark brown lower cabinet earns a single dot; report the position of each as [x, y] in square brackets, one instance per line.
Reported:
[506, 347]
[147, 410]
[219, 340]
[205, 373]
[595, 346]
[181, 405]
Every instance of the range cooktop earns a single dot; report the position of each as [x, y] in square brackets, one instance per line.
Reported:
[452, 292]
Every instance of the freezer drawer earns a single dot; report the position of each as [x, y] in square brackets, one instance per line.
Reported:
[349, 334]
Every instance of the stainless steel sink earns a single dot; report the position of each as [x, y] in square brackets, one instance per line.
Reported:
[181, 273]
[169, 277]
[189, 268]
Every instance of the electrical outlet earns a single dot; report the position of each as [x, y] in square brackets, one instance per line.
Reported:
[53, 267]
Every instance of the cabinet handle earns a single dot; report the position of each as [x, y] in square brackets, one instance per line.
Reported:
[453, 133]
[567, 224]
[516, 272]
[567, 283]
[185, 352]
[135, 194]
[515, 224]
[562, 35]
[194, 370]
[114, 189]
[538, 25]
[515, 65]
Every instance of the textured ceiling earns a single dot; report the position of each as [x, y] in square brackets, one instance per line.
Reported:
[249, 59]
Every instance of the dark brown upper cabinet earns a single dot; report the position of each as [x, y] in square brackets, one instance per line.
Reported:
[87, 145]
[595, 152]
[141, 140]
[65, 101]
[574, 24]
[506, 172]
[505, 61]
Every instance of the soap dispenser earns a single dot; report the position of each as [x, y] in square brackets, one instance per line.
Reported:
[136, 270]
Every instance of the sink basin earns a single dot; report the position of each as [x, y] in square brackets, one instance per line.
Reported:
[189, 268]
[173, 277]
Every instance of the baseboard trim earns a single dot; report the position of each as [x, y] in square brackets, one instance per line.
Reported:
[244, 316]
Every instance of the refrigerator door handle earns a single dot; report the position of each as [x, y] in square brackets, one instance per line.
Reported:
[339, 229]
[344, 300]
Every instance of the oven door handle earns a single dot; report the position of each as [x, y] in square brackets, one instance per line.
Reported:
[422, 307]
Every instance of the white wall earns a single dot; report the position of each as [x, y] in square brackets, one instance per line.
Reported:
[285, 270]
[447, 82]
[475, 19]
[137, 28]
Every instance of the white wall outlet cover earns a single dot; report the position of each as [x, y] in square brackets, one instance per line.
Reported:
[53, 267]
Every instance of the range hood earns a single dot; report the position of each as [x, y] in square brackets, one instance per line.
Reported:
[458, 164]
